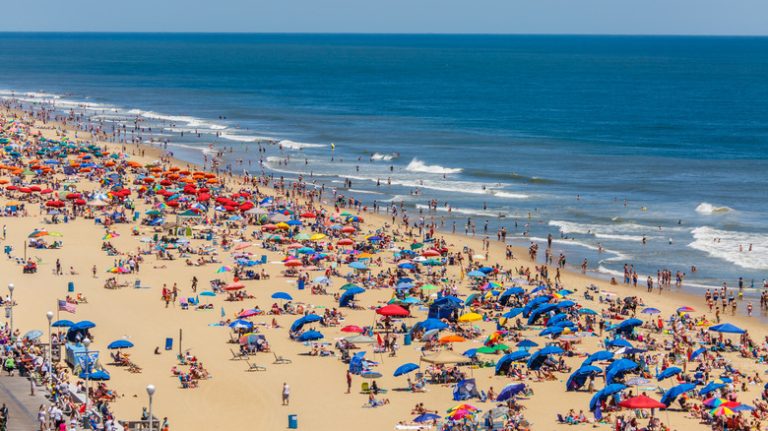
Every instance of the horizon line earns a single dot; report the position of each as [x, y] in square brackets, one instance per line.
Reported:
[321, 33]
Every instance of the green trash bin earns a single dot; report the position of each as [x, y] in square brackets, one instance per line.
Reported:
[293, 422]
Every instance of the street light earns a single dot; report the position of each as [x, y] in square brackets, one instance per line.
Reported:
[150, 391]
[49, 315]
[10, 289]
[86, 343]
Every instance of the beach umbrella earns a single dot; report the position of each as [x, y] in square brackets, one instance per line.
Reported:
[526, 344]
[223, 269]
[207, 293]
[510, 391]
[675, 391]
[33, 335]
[452, 338]
[537, 358]
[405, 369]
[358, 266]
[98, 375]
[248, 313]
[311, 335]
[513, 312]
[83, 324]
[696, 353]
[711, 387]
[393, 310]
[668, 372]
[431, 324]
[727, 328]
[580, 376]
[587, 311]
[722, 411]
[370, 375]
[618, 368]
[685, 309]
[282, 295]
[650, 310]
[426, 417]
[62, 323]
[642, 402]
[120, 344]
[476, 274]
[300, 322]
[241, 324]
[620, 342]
[604, 393]
[234, 286]
[470, 317]
[429, 287]
[353, 328]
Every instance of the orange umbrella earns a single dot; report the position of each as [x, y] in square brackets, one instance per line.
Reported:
[453, 338]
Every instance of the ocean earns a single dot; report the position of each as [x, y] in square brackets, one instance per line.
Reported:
[599, 141]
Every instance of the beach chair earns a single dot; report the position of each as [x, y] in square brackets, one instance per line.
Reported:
[281, 360]
[254, 367]
[365, 388]
[238, 355]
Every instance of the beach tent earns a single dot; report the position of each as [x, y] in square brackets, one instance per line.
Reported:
[444, 307]
[444, 357]
[465, 389]
[580, 376]
[727, 328]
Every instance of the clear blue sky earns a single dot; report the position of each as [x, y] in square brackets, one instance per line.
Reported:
[696, 17]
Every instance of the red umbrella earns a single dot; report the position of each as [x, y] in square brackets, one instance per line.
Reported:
[348, 229]
[642, 402]
[393, 310]
[11, 188]
[73, 196]
[431, 253]
[79, 202]
[345, 241]
[293, 262]
[353, 328]
[46, 191]
[234, 286]
[34, 188]
[308, 215]
[55, 204]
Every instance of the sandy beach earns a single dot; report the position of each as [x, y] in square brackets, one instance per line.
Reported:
[234, 398]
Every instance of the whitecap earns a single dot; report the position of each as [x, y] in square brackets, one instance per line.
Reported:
[417, 165]
[732, 246]
[706, 208]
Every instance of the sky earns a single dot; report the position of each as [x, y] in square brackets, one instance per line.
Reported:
[683, 17]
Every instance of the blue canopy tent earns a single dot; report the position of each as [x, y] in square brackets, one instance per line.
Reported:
[502, 365]
[580, 376]
[443, 307]
[671, 395]
[618, 369]
[727, 328]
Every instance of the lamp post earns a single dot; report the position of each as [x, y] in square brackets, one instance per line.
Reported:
[87, 370]
[150, 391]
[10, 289]
[49, 315]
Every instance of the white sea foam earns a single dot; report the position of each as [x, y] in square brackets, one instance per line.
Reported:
[384, 157]
[417, 165]
[465, 211]
[244, 138]
[706, 208]
[202, 149]
[365, 192]
[509, 195]
[618, 232]
[612, 272]
[732, 246]
[291, 145]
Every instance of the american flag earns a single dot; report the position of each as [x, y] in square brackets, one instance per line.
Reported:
[66, 306]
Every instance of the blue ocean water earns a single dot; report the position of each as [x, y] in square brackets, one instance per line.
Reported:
[599, 141]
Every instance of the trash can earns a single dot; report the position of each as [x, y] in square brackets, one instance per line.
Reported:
[301, 284]
[71, 286]
[407, 340]
[293, 422]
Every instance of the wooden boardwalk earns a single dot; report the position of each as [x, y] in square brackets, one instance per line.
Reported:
[22, 407]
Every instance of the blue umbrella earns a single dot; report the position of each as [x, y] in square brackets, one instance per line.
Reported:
[503, 364]
[526, 344]
[358, 265]
[727, 328]
[697, 352]
[432, 323]
[551, 350]
[406, 265]
[510, 391]
[587, 311]
[405, 369]
[537, 359]
[580, 376]
[207, 293]
[552, 330]
[300, 322]
[650, 310]
[84, 324]
[426, 417]
[33, 334]
[471, 353]
[282, 295]
[619, 342]
[668, 372]
[533, 303]
[604, 393]
[95, 375]
[241, 324]
[675, 391]
[476, 274]
[310, 336]
[711, 387]
[617, 369]
[565, 304]
[513, 312]
[62, 323]
[120, 344]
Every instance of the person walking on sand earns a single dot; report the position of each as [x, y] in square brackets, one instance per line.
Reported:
[286, 394]
[349, 382]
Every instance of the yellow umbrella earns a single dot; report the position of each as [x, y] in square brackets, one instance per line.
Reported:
[282, 225]
[317, 237]
[470, 317]
[364, 256]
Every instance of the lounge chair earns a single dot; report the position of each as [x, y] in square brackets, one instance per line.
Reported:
[238, 355]
[254, 367]
[281, 360]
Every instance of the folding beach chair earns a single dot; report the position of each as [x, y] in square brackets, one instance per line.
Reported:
[254, 367]
[280, 359]
[238, 355]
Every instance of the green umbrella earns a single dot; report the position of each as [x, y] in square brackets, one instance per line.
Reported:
[416, 246]
[429, 287]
